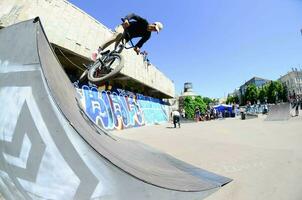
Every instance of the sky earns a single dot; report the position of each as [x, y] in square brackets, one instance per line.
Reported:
[216, 45]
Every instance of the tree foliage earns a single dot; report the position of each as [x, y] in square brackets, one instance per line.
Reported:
[270, 93]
[232, 99]
[190, 104]
[262, 94]
[207, 100]
[276, 92]
[251, 93]
[236, 99]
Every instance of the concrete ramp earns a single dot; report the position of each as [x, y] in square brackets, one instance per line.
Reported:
[279, 112]
[251, 116]
[49, 149]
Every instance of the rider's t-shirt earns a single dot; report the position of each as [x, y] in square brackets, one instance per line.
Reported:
[138, 28]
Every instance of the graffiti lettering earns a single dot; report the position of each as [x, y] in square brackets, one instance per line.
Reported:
[121, 109]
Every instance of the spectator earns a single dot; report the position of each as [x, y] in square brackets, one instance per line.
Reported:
[297, 109]
[215, 113]
[145, 57]
[183, 113]
[197, 114]
[175, 117]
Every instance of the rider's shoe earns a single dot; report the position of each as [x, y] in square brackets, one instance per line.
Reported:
[94, 56]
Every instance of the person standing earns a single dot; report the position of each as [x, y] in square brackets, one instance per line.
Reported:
[197, 114]
[183, 113]
[176, 118]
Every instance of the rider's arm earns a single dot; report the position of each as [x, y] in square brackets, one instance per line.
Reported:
[142, 40]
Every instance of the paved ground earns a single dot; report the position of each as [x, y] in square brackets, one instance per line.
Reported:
[264, 158]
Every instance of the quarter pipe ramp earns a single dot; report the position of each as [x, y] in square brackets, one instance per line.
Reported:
[49, 149]
[279, 112]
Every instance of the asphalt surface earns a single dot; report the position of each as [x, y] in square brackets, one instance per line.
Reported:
[264, 158]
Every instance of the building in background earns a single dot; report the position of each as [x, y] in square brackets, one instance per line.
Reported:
[240, 92]
[75, 35]
[258, 82]
[293, 82]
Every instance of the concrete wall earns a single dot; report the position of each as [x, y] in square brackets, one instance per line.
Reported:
[121, 109]
[71, 28]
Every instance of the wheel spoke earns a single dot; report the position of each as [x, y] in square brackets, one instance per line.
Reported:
[111, 66]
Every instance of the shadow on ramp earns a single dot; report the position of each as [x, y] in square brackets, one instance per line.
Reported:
[48, 150]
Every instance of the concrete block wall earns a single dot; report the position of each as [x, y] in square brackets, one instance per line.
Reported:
[71, 28]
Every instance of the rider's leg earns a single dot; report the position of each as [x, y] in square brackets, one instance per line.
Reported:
[109, 42]
[117, 37]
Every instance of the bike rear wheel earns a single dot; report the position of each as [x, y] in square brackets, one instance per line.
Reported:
[113, 63]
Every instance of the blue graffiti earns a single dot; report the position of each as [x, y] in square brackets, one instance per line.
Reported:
[121, 109]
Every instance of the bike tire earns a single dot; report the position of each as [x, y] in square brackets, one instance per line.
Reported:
[114, 57]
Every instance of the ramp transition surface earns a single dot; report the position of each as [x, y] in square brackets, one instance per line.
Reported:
[279, 112]
[49, 149]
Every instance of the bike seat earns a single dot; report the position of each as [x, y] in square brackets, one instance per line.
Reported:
[105, 52]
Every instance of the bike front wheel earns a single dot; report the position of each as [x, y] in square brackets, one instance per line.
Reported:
[101, 71]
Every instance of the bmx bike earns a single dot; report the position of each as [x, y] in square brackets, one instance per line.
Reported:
[107, 64]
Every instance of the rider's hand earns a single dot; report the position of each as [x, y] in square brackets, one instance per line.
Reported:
[126, 24]
[137, 50]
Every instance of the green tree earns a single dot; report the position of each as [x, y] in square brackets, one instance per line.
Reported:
[230, 99]
[262, 95]
[271, 92]
[207, 100]
[251, 93]
[190, 103]
[276, 92]
[236, 99]
[279, 90]
[189, 107]
[200, 104]
[284, 95]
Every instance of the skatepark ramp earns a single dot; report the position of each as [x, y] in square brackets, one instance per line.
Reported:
[251, 116]
[50, 149]
[279, 112]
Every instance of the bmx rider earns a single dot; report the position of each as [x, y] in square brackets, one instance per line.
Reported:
[133, 26]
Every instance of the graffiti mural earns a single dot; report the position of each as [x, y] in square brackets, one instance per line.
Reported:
[119, 109]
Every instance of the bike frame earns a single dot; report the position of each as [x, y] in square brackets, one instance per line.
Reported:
[120, 48]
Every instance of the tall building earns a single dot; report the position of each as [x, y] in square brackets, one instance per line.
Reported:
[259, 82]
[293, 81]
